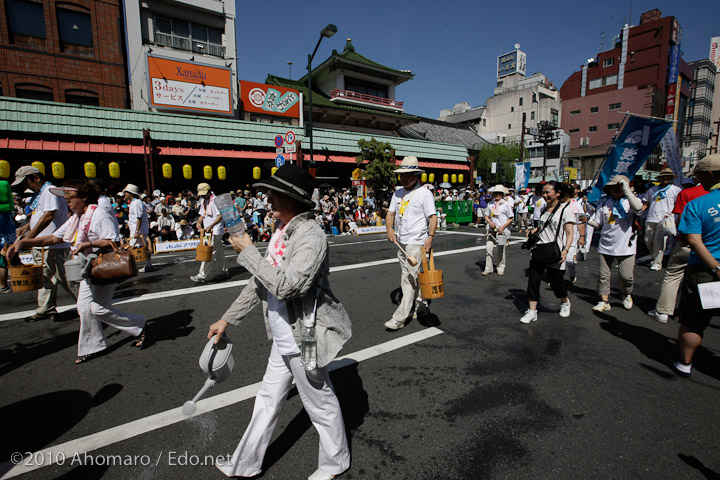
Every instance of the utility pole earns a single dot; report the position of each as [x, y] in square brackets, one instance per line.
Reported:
[522, 137]
[546, 134]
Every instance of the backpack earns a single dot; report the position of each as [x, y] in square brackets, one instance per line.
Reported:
[482, 203]
[6, 200]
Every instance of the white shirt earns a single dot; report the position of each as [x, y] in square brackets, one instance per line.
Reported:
[539, 203]
[210, 212]
[102, 227]
[277, 312]
[522, 204]
[499, 214]
[183, 232]
[137, 212]
[658, 207]
[548, 233]
[412, 209]
[616, 233]
[50, 202]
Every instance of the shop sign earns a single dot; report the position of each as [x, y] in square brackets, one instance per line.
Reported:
[270, 99]
[180, 85]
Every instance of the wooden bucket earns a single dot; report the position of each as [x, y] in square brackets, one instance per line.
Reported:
[204, 251]
[27, 277]
[140, 253]
[431, 280]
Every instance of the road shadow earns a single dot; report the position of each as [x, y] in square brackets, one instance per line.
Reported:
[46, 417]
[19, 354]
[519, 299]
[396, 296]
[169, 327]
[353, 402]
[698, 465]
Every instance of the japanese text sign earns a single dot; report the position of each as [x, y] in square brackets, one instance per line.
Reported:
[270, 99]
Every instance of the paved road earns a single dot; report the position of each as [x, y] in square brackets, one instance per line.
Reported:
[469, 393]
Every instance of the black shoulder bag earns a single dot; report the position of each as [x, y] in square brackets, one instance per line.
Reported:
[549, 253]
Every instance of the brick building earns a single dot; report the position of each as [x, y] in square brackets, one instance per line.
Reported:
[69, 51]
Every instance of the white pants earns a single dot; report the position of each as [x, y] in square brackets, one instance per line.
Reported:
[655, 238]
[409, 283]
[207, 269]
[321, 404]
[94, 306]
[53, 276]
[489, 254]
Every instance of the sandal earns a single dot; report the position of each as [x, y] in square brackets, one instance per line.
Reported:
[84, 358]
[140, 339]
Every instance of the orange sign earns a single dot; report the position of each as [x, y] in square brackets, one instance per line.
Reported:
[270, 99]
[175, 84]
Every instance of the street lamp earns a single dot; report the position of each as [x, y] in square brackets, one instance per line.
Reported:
[326, 32]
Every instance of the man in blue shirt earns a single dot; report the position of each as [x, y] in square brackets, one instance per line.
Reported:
[700, 222]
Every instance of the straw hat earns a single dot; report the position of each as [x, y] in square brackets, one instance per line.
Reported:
[409, 165]
[616, 180]
[666, 172]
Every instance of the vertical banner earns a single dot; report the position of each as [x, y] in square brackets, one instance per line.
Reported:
[522, 175]
[633, 146]
[672, 155]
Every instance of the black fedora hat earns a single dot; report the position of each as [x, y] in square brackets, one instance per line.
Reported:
[292, 181]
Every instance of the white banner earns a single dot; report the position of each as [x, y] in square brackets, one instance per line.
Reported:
[184, 94]
[177, 245]
[672, 155]
[373, 229]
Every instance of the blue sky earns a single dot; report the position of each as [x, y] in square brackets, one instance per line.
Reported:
[451, 46]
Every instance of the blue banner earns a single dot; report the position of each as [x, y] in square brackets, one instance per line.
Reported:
[633, 146]
[522, 175]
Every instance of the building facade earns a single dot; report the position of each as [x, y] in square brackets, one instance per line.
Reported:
[69, 51]
[699, 125]
[182, 56]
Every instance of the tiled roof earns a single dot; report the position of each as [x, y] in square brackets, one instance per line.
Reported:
[445, 133]
[321, 99]
[79, 123]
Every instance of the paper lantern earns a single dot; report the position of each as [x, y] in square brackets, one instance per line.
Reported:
[58, 170]
[461, 178]
[446, 178]
[423, 177]
[273, 170]
[431, 177]
[167, 170]
[114, 169]
[40, 166]
[222, 173]
[4, 169]
[453, 178]
[90, 170]
[256, 173]
[207, 172]
[187, 172]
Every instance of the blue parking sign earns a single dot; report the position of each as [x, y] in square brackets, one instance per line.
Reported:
[279, 161]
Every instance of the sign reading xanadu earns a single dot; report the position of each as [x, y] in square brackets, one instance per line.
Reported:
[179, 85]
[270, 99]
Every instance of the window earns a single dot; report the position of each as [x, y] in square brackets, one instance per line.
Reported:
[534, 98]
[574, 130]
[183, 35]
[26, 23]
[554, 117]
[368, 88]
[594, 109]
[615, 106]
[75, 29]
[532, 115]
[83, 97]
[33, 91]
[484, 122]
[608, 62]
[575, 112]
[603, 82]
[512, 109]
[521, 101]
[592, 129]
[613, 126]
[509, 126]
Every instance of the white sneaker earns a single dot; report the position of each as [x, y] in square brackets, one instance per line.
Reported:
[601, 307]
[486, 273]
[530, 316]
[655, 315]
[394, 324]
[565, 309]
[627, 302]
[318, 475]
[501, 272]
[655, 267]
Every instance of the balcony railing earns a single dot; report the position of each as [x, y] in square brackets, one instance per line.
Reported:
[365, 98]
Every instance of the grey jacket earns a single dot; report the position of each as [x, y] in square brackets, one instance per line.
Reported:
[305, 262]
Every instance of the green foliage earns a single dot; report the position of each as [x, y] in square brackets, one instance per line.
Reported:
[505, 155]
[379, 169]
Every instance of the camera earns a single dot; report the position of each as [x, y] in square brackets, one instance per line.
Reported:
[533, 239]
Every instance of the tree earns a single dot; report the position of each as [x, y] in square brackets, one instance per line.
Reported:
[379, 169]
[505, 155]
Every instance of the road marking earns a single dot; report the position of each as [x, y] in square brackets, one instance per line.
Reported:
[238, 283]
[141, 426]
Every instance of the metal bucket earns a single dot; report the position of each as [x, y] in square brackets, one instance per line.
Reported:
[73, 270]
[502, 240]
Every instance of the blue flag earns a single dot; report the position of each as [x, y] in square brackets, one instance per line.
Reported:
[633, 146]
[522, 175]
